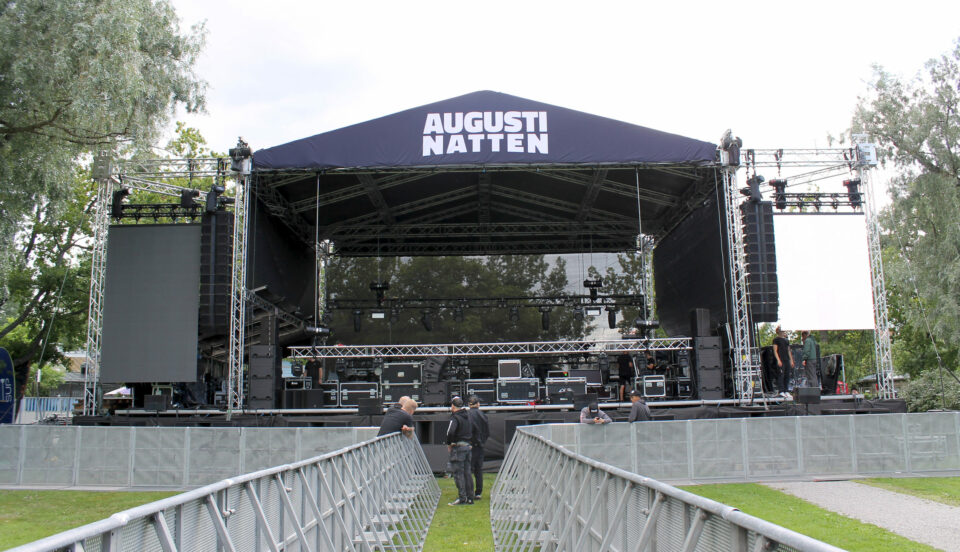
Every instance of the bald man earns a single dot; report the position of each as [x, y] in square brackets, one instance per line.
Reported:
[399, 417]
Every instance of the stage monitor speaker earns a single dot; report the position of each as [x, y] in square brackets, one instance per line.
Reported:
[156, 403]
[761, 260]
[699, 322]
[808, 395]
[369, 407]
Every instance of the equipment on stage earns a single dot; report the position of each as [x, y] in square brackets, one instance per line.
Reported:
[401, 372]
[393, 391]
[591, 376]
[484, 389]
[156, 403]
[439, 393]
[298, 383]
[331, 394]
[654, 386]
[305, 398]
[264, 369]
[351, 392]
[684, 389]
[518, 390]
[369, 407]
[709, 363]
[563, 390]
[509, 369]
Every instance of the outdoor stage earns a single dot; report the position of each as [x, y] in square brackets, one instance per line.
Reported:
[432, 421]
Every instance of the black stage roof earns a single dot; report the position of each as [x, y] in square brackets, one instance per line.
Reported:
[484, 173]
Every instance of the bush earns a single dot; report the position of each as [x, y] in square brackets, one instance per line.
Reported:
[924, 392]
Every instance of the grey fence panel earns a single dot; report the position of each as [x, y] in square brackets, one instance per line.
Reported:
[548, 498]
[10, 436]
[48, 455]
[375, 495]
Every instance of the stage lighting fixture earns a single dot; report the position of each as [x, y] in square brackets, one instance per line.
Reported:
[317, 330]
[296, 369]
[357, 320]
[779, 193]
[394, 316]
[611, 318]
[116, 209]
[643, 324]
[752, 190]
[240, 157]
[594, 311]
[427, 321]
[853, 192]
[594, 286]
[187, 198]
[514, 313]
[544, 318]
[458, 314]
[213, 198]
[578, 314]
[380, 288]
[378, 315]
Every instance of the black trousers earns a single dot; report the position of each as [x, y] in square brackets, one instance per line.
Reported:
[476, 466]
[460, 468]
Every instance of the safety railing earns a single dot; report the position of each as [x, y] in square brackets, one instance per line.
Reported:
[376, 495]
[547, 498]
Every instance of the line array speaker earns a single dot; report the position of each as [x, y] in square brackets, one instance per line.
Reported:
[761, 258]
[216, 252]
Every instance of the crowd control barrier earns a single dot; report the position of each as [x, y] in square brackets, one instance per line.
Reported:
[375, 495]
[549, 499]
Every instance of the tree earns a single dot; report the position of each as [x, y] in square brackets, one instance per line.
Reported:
[78, 76]
[917, 127]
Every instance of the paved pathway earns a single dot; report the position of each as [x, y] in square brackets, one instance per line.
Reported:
[917, 519]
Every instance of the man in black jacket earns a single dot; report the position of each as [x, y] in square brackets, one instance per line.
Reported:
[399, 418]
[481, 431]
[459, 435]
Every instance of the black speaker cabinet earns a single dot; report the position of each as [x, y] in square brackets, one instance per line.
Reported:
[808, 395]
[156, 403]
[699, 322]
[369, 407]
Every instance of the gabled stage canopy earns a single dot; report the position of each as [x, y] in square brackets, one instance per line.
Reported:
[485, 128]
[484, 173]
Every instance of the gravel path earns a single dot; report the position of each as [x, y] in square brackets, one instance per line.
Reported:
[917, 519]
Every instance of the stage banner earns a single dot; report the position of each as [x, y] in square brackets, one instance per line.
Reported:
[486, 128]
[7, 395]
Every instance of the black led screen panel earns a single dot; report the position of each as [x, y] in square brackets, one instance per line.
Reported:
[151, 304]
[690, 270]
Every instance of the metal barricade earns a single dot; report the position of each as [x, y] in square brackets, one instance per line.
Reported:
[376, 495]
[547, 498]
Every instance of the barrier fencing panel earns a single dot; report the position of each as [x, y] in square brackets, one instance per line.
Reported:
[758, 449]
[547, 498]
[376, 495]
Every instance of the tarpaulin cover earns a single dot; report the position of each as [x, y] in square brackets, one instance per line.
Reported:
[485, 128]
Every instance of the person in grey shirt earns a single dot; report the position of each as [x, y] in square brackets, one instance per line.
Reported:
[639, 411]
[591, 414]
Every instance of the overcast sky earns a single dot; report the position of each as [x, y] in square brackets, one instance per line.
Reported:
[780, 74]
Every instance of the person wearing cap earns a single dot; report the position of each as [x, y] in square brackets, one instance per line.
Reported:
[591, 414]
[459, 435]
[639, 411]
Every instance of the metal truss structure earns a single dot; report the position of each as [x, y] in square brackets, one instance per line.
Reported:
[855, 161]
[526, 348]
[574, 301]
[745, 357]
[98, 268]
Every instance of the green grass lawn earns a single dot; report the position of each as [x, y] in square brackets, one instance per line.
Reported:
[939, 489]
[461, 528]
[803, 517]
[26, 516]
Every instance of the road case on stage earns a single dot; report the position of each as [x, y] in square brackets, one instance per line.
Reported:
[485, 389]
[518, 390]
[351, 392]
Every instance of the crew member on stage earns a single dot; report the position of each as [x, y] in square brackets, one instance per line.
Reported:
[591, 414]
[481, 431]
[399, 418]
[639, 411]
[811, 358]
[626, 373]
[459, 434]
[781, 351]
